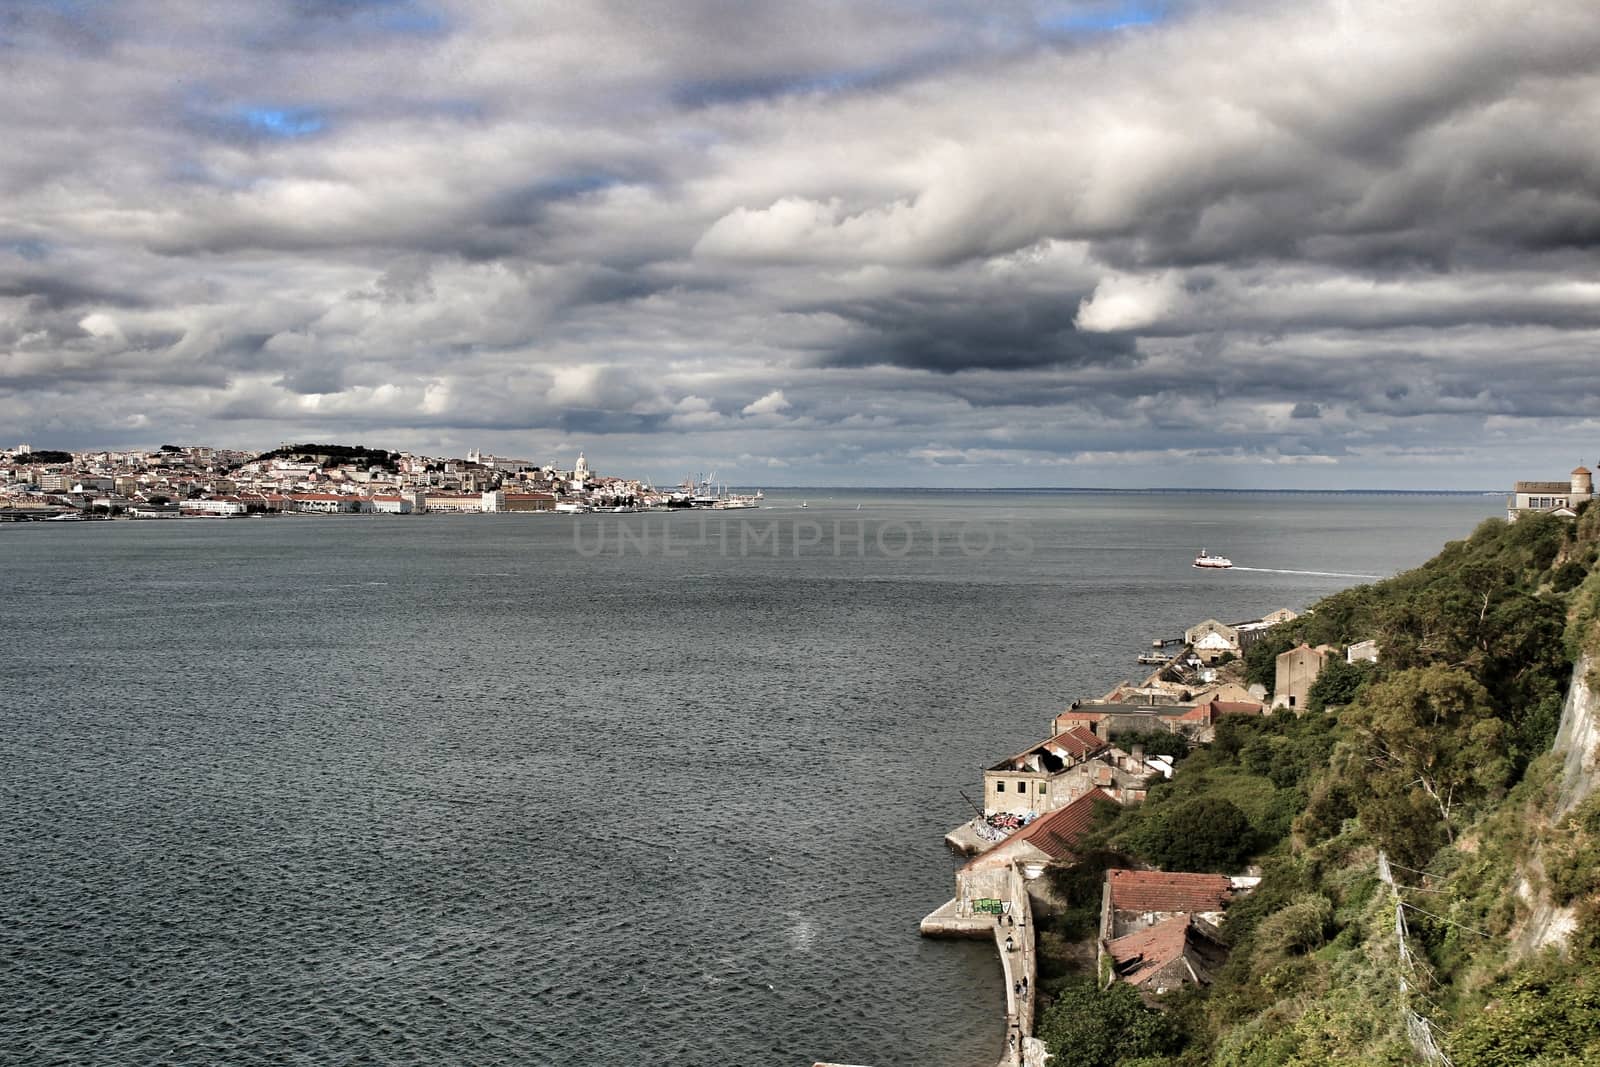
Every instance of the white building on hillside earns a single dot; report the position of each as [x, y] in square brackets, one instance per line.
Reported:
[1555, 498]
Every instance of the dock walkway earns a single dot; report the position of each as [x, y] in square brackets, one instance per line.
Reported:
[1014, 941]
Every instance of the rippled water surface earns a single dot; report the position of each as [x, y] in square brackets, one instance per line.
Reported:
[459, 789]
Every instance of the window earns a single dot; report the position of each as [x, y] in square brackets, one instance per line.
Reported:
[1043, 788]
[999, 787]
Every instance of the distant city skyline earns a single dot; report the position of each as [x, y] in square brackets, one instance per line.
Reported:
[1240, 244]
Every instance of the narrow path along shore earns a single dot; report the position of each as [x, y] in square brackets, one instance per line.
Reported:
[994, 904]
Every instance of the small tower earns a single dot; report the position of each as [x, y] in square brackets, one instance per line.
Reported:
[1582, 484]
[581, 471]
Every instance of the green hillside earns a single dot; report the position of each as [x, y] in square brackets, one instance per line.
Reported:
[1438, 756]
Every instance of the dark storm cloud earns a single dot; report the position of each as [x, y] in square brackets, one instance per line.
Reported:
[56, 293]
[601, 423]
[942, 335]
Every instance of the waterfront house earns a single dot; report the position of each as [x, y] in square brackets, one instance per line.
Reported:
[327, 503]
[455, 502]
[524, 502]
[1033, 779]
[1553, 498]
[1213, 648]
[1213, 640]
[1047, 838]
[1230, 693]
[1109, 719]
[218, 508]
[1154, 690]
[1211, 628]
[397, 503]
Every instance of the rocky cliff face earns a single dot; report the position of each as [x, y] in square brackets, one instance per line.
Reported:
[1578, 740]
[1578, 744]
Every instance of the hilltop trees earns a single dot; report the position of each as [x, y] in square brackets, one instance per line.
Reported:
[1432, 729]
[333, 455]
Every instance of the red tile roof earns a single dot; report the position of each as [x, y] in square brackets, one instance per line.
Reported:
[1236, 707]
[1055, 834]
[1079, 742]
[1144, 891]
[1141, 954]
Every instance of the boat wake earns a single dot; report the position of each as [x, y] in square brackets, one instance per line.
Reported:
[1312, 574]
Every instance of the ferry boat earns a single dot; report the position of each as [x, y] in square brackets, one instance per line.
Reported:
[1207, 561]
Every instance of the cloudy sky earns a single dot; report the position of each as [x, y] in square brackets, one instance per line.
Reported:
[1155, 242]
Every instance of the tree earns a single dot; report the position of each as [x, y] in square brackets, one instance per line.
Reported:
[1209, 833]
[1079, 886]
[1337, 684]
[1431, 729]
[1092, 1027]
[1261, 659]
[1298, 928]
[1542, 1014]
[1567, 576]
[46, 456]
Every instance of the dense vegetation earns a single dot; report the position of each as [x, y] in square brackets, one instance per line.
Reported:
[334, 455]
[1437, 756]
[44, 456]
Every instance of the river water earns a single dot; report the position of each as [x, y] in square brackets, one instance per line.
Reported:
[599, 790]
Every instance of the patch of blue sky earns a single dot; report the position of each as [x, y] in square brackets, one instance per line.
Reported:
[417, 20]
[29, 248]
[27, 17]
[1104, 17]
[286, 123]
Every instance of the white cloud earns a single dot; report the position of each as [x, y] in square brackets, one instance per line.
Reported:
[770, 404]
[1129, 303]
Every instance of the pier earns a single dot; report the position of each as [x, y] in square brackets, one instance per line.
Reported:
[994, 904]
